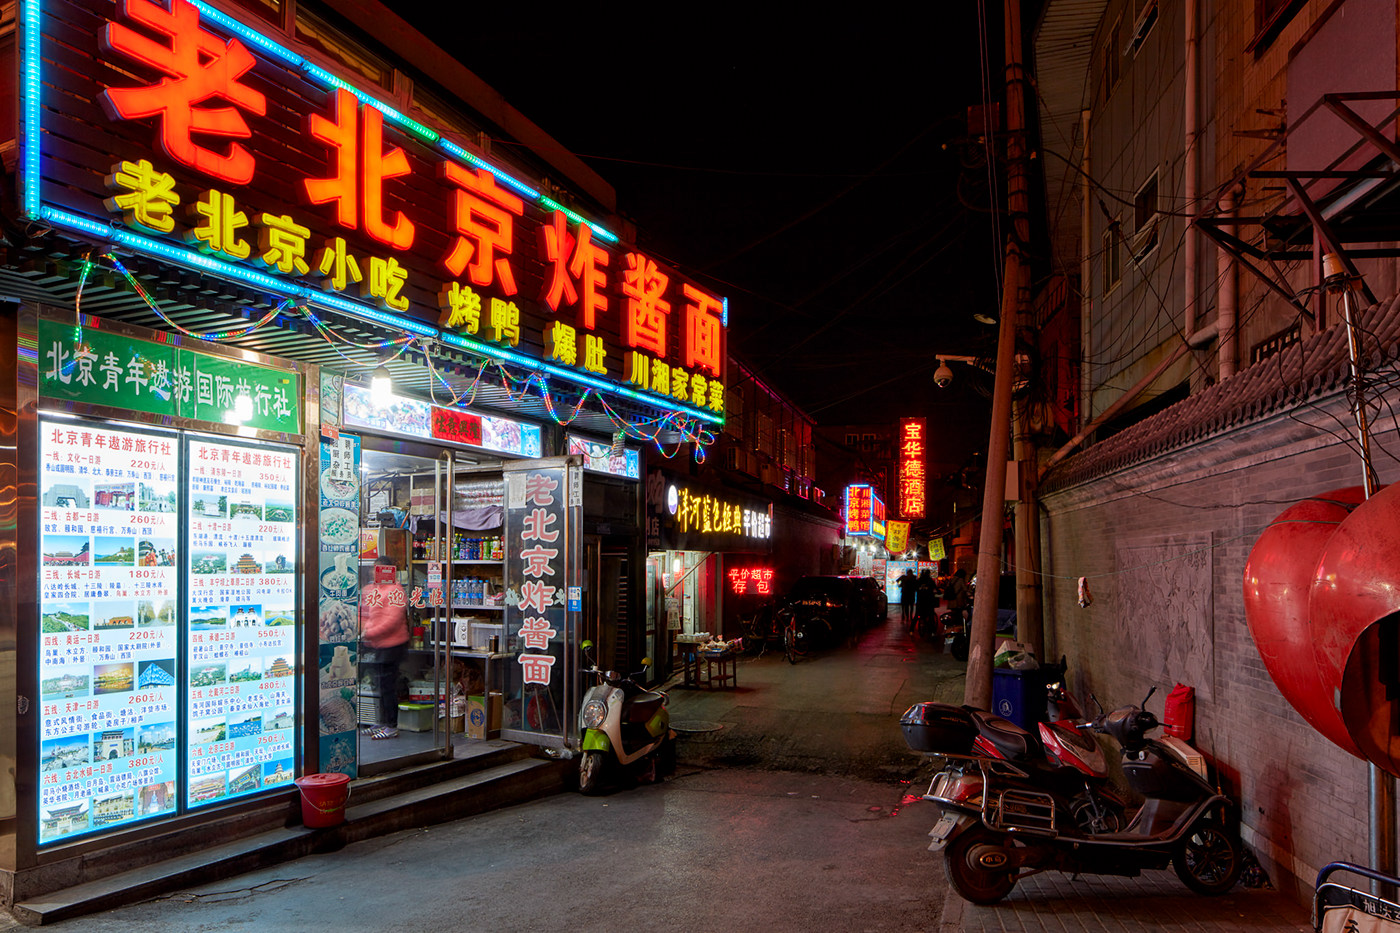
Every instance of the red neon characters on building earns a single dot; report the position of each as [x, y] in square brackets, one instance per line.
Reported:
[200, 68]
[359, 168]
[644, 284]
[483, 215]
[703, 330]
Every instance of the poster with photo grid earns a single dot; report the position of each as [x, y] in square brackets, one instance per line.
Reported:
[109, 591]
[241, 619]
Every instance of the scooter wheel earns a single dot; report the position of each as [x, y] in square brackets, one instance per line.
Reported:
[966, 858]
[590, 773]
[1208, 860]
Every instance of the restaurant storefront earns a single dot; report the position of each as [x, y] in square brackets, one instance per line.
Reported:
[212, 494]
[707, 545]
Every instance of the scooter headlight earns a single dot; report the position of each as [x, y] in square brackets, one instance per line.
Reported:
[593, 714]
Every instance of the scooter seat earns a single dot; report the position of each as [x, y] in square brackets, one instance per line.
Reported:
[643, 706]
[1015, 743]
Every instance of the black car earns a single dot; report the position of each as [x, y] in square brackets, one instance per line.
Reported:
[874, 604]
[833, 605]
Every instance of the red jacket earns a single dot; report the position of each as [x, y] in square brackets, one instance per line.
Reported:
[383, 615]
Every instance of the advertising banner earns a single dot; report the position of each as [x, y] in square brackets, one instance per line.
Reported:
[898, 540]
[241, 620]
[85, 364]
[339, 618]
[109, 592]
[536, 592]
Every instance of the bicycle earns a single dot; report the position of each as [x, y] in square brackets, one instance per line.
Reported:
[794, 639]
[760, 630]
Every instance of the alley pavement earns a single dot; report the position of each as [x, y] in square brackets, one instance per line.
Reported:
[781, 717]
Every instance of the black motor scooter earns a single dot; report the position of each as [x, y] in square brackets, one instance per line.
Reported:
[1019, 813]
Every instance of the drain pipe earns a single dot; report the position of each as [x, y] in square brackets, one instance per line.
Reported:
[1191, 182]
[1227, 350]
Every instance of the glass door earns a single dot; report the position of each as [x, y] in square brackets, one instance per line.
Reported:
[401, 690]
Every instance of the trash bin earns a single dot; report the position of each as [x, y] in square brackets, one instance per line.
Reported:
[1019, 696]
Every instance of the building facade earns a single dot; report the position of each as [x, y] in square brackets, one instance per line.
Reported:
[1204, 157]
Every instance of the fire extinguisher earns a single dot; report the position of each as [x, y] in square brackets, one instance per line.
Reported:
[1179, 718]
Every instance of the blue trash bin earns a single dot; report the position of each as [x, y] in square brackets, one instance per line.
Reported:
[1019, 696]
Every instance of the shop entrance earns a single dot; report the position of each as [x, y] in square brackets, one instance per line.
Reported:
[432, 598]
[607, 602]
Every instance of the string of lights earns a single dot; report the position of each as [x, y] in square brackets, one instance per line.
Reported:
[518, 388]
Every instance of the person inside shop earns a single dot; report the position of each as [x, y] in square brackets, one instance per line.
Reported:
[908, 584]
[383, 643]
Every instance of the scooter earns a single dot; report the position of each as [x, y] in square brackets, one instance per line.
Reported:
[1021, 811]
[625, 727]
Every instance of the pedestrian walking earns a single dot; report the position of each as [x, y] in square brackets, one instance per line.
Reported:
[908, 584]
[925, 601]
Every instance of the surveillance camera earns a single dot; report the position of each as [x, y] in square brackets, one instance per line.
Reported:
[943, 376]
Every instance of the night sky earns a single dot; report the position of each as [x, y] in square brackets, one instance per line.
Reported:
[816, 169]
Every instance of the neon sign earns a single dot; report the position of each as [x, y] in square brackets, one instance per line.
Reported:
[342, 201]
[865, 512]
[912, 477]
[757, 581]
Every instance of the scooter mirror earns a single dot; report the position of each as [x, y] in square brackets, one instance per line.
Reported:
[585, 645]
[646, 662]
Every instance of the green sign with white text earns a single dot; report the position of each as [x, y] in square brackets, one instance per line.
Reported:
[100, 368]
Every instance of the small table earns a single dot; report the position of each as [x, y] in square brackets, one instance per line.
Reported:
[717, 668]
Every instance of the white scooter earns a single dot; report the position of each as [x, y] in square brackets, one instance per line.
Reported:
[624, 726]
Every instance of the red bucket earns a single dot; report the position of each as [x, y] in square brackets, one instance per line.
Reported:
[323, 798]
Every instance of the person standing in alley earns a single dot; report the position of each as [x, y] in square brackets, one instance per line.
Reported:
[384, 617]
[908, 584]
[925, 600]
[959, 597]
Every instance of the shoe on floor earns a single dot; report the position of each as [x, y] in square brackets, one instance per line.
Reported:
[385, 732]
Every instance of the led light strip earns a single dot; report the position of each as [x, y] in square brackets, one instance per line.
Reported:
[31, 80]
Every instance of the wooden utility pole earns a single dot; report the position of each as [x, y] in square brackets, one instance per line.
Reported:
[978, 688]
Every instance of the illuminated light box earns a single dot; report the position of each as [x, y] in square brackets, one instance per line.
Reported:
[399, 415]
[301, 184]
[865, 513]
[601, 458]
[913, 455]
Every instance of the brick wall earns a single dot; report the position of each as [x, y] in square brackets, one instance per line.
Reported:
[1304, 801]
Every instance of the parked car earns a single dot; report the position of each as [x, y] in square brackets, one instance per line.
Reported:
[874, 604]
[833, 602]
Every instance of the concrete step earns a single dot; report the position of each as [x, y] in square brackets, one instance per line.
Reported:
[417, 804]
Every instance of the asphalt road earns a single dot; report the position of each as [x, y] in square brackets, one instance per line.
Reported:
[800, 812]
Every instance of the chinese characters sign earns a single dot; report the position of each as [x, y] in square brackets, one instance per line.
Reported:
[536, 590]
[757, 581]
[865, 513]
[109, 588]
[898, 540]
[211, 145]
[94, 366]
[241, 621]
[913, 457]
[704, 513]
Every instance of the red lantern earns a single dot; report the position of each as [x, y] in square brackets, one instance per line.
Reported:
[1354, 614]
[1278, 581]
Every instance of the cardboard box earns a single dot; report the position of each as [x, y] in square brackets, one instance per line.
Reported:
[479, 722]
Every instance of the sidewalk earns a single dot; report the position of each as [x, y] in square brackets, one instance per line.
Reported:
[1155, 901]
[1051, 901]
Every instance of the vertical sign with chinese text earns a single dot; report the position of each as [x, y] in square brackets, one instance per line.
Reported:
[241, 619]
[537, 561]
[339, 616]
[109, 593]
[912, 464]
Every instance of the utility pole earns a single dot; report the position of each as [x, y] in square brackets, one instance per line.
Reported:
[978, 689]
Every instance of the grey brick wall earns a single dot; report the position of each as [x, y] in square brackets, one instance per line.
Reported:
[1304, 801]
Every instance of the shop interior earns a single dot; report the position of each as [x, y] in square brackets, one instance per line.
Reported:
[438, 520]
[683, 588]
